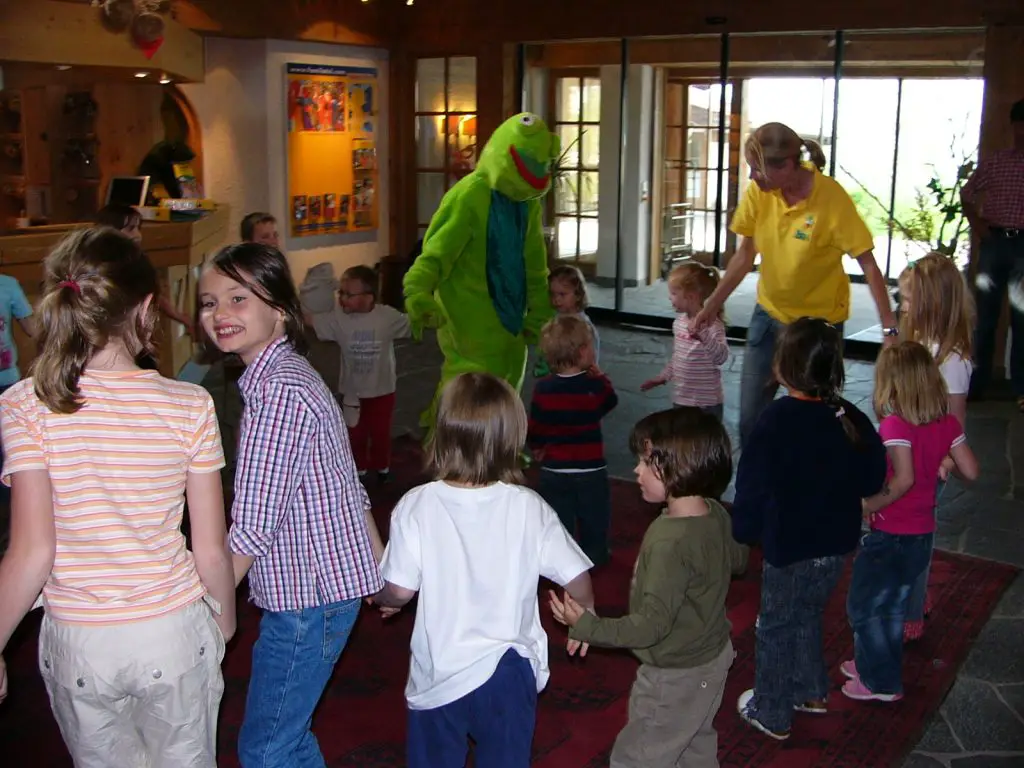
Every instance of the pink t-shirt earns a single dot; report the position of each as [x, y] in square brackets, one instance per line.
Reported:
[914, 512]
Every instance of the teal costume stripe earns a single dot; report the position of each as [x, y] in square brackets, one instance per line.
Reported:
[506, 266]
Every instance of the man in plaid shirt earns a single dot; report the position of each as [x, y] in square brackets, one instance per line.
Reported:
[993, 201]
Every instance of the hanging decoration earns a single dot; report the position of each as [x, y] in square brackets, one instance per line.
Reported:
[142, 19]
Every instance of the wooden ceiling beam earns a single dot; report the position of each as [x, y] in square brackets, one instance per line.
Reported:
[51, 32]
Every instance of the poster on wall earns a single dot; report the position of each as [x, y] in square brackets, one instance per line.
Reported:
[333, 174]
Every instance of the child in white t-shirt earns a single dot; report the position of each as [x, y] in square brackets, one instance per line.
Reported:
[937, 311]
[474, 544]
[365, 331]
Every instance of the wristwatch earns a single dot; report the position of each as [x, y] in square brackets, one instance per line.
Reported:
[893, 331]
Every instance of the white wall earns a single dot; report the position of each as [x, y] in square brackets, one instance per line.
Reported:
[242, 110]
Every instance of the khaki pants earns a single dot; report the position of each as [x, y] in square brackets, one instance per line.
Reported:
[143, 694]
[670, 716]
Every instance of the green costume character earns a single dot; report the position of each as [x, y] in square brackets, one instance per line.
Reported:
[482, 278]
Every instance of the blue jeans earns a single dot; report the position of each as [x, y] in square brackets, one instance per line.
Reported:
[292, 661]
[1000, 267]
[583, 500]
[757, 380]
[500, 716]
[919, 592]
[883, 573]
[789, 654]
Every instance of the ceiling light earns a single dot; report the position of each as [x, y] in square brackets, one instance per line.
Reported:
[165, 80]
[141, 74]
[63, 67]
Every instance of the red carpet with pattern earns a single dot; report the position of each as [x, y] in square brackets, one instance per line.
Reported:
[361, 721]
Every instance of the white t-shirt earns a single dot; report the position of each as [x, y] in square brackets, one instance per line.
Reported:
[367, 347]
[475, 556]
[956, 371]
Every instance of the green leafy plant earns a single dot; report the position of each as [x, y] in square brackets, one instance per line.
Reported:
[936, 218]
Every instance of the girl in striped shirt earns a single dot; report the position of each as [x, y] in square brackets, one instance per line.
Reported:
[101, 457]
[697, 356]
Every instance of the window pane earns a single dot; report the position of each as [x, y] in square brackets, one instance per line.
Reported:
[590, 139]
[864, 149]
[697, 147]
[567, 106]
[570, 136]
[588, 192]
[462, 84]
[588, 237]
[567, 184]
[937, 143]
[430, 85]
[699, 97]
[430, 142]
[429, 191]
[591, 99]
[673, 180]
[567, 237]
[697, 187]
[461, 144]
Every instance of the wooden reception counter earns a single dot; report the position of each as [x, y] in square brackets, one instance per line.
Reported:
[177, 250]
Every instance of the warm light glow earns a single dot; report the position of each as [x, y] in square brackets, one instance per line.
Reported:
[142, 74]
[63, 67]
[165, 80]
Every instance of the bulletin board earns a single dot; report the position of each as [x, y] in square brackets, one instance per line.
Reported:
[333, 175]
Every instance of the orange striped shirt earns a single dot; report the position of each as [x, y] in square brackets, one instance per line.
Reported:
[118, 469]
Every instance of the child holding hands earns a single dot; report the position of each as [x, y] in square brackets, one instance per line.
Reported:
[473, 543]
[676, 624]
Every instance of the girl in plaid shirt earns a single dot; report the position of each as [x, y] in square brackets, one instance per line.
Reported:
[301, 524]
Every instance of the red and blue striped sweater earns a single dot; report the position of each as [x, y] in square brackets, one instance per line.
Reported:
[565, 420]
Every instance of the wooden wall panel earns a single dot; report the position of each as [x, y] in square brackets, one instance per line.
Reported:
[128, 124]
[438, 24]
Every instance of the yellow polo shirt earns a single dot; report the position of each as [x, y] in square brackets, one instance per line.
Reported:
[802, 248]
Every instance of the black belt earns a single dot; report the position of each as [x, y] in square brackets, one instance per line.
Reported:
[1008, 232]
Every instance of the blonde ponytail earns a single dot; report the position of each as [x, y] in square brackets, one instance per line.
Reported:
[95, 282]
[815, 153]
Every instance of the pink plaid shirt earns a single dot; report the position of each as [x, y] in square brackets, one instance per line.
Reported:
[299, 507]
[998, 182]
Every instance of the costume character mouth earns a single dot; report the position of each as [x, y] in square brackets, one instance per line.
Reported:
[533, 173]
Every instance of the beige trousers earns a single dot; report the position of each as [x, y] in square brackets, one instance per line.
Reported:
[670, 716]
[143, 694]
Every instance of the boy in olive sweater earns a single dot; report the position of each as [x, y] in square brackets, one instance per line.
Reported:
[676, 624]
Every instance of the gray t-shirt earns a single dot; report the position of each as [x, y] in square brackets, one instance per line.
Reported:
[367, 348]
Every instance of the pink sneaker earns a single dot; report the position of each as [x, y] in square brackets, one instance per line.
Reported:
[849, 669]
[856, 690]
[912, 630]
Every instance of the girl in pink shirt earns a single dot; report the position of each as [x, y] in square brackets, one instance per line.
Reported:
[919, 433]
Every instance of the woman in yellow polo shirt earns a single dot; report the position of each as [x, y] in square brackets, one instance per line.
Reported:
[803, 223]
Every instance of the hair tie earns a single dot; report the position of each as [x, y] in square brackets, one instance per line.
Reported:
[72, 284]
[840, 412]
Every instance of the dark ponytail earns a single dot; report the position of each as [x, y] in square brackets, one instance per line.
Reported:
[809, 359]
[94, 283]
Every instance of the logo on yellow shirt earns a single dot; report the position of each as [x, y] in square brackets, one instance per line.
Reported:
[804, 232]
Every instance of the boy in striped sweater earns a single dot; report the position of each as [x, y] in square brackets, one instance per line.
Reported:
[565, 433]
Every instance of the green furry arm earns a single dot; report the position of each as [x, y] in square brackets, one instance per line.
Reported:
[447, 237]
[538, 300]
